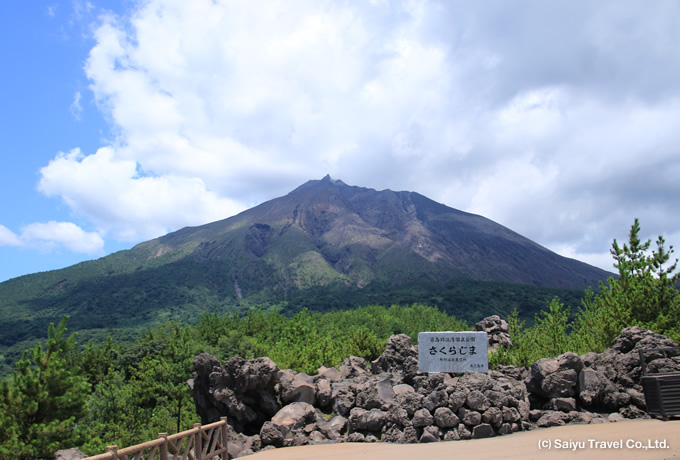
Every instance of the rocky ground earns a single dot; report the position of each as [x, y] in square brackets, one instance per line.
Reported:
[388, 400]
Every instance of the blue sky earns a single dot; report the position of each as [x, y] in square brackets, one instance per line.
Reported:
[122, 121]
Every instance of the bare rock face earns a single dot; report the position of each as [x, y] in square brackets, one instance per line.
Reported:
[242, 390]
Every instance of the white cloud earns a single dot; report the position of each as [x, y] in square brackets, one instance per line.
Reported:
[8, 238]
[53, 235]
[556, 119]
[118, 198]
[66, 234]
[75, 108]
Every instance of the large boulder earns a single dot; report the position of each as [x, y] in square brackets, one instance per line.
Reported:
[554, 377]
[244, 391]
[400, 357]
[293, 416]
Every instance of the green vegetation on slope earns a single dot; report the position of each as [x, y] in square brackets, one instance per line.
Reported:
[126, 304]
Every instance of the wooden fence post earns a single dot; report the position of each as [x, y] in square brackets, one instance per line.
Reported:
[113, 450]
[163, 451]
[225, 454]
[198, 444]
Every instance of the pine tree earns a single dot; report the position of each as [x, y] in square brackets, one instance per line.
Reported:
[44, 400]
[645, 292]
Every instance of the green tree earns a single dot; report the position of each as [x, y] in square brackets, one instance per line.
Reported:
[131, 406]
[550, 330]
[548, 337]
[645, 292]
[44, 401]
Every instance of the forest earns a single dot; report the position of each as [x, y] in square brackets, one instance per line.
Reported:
[64, 393]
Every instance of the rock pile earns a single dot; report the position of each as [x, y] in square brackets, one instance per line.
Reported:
[498, 332]
[389, 400]
[602, 382]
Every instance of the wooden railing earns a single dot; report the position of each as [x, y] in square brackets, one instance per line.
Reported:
[199, 443]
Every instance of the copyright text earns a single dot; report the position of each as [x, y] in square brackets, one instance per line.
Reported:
[570, 444]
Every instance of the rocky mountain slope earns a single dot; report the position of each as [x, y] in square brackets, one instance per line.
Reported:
[327, 231]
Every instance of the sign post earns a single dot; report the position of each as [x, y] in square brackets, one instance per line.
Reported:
[454, 352]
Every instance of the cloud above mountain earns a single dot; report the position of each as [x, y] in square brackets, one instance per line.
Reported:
[556, 119]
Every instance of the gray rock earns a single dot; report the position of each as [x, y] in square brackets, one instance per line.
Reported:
[570, 360]
[493, 416]
[517, 373]
[410, 401]
[402, 388]
[463, 432]
[356, 437]
[385, 393]
[410, 435]
[429, 436]
[477, 401]
[552, 418]
[439, 398]
[271, 435]
[590, 387]
[561, 404]
[342, 398]
[334, 428]
[469, 417]
[300, 389]
[397, 416]
[497, 330]
[615, 417]
[399, 354]
[357, 419]
[633, 412]
[317, 437]
[323, 392]
[294, 416]
[452, 435]
[457, 399]
[204, 364]
[511, 414]
[535, 414]
[69, 454]
[328, 373]
[505, 428]
[497, 399]
[392, 434]
[422, 418]
[483, 430]
[353, 367]
[445, 418]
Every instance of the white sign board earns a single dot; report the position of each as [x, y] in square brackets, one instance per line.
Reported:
[454, 352]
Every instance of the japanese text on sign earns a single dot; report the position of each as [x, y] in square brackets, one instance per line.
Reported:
[454, 352]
